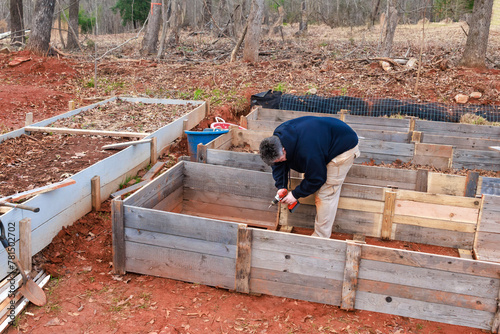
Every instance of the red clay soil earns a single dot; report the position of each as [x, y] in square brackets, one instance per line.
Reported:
[85, 297]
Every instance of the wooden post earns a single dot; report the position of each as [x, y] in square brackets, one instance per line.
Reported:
[118, 227]
[29, 119]
[351, 270]
[184, 128]
[471, 184]
[243, 122]
[416, 137]
[412, 124]
[71, 105]
[201, 153]
[495, 327]
[154, 152]
[95, 190]
[25, 244]
[243, 259]
[421, 183]
[343, 112]
[389, 205]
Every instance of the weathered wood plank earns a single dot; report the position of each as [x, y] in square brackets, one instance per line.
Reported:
[179, 243]
[181, 265]
[427, 278]
[458, 201]
[117, 218]
[159, 188]
[302, 287]
[439, 156]
[374, 147]
[351, 270]
[422, 181]
[172, 202]
[221, 179]
[248, 138]
[382, 176]
[389, 124]
[423, 310]
[454, 129]
[426, 295]
[95, 190]
[237, 160]
[444, 225]
[471, 184]
[476, 159]
[465, 142]
[447, 184]
[385, 135]
[490, 186]
[243, 259]
[431, 261]
[221, 199]
[181, 225]
[433, 236]
[436, 211]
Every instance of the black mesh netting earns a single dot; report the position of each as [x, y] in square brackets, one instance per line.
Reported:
[373, 106]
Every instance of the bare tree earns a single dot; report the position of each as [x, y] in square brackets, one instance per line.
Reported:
[373, 13]
[39, 40]
[303, 18]
[477, 40]
[174, 22]
[74, 8]
[391, 23]
[251, 49]
[150, 40]
[207, 14]
[16, 21]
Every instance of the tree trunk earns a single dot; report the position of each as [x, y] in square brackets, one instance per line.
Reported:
[303, 19]
[251, 49]
[207, 14]
[390, 29]
[165, 5]
[373, 14]
[277, 27]
[175, 18]
[72, 38]
[150, 40]
[39, 40]
[477, 40]
[16, 21]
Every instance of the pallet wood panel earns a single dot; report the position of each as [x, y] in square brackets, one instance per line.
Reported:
[295, 266]
[467, 143]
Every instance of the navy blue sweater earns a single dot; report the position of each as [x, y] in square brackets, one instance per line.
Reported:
[311, 143]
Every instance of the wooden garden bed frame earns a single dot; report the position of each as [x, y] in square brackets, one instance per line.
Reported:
[192, 224]
[441, 144]
[62, 207]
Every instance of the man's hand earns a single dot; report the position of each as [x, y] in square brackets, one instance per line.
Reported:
[289, 199]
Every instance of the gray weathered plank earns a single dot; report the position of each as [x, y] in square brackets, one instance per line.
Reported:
[159, 188]
[181, 225]
[181, 265]
[180, 243]
[460, 142]
[454, 129]
[237, 160]
[423, 310]
[434, 236]
[476, 159]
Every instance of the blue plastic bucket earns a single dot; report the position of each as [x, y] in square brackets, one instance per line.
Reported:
[201, 137]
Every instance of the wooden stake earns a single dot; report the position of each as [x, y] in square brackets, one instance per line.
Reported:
[243, 259]
[351, 270]
[154, 151]
[412, 124]
[118, 222]
[184, 128]
[201, 153]
[71, 105]
[389, 205]
[421, 183]
[416, 137]
[25, 248]
[471, 184]
[95, 190]
[29, 119]
[343, 112]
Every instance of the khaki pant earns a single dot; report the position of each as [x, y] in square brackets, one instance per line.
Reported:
[327, 197]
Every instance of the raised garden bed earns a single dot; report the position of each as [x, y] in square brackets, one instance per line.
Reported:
[63, 206]
[192, 224]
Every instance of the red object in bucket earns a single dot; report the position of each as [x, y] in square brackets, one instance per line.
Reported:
[221, 124]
